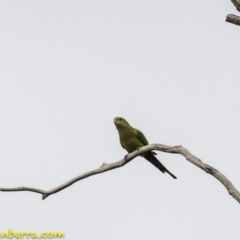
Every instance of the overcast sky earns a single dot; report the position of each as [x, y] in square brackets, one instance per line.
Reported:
[67, 68]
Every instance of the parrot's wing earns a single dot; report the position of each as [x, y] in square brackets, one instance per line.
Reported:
[141, 136]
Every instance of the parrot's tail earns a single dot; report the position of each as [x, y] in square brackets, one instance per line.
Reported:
[152, 159]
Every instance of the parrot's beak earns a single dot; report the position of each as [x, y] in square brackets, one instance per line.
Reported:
[114, 121]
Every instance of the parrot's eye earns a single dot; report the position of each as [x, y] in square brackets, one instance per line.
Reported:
[120, 119]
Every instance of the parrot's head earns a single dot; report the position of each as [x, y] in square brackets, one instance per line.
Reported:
[120, 122]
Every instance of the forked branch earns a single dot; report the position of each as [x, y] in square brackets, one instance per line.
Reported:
[159, 147]
[233, 18]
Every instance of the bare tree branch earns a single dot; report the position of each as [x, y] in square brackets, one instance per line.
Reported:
[159, 147]
[233, 19]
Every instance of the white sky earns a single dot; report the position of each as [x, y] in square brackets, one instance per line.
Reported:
[171, 68]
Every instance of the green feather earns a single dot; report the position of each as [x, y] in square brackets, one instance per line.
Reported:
[141, 136]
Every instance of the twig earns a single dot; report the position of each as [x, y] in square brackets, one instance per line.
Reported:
[236, 3]
[159, 147]
[233, 19]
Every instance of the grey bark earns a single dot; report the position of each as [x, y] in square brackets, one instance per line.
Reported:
[159, 147]
[236, 3]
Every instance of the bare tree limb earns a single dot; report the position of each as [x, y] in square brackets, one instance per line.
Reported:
[159, 147]
[233, 19]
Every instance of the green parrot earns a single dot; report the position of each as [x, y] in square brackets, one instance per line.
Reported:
[131, 139]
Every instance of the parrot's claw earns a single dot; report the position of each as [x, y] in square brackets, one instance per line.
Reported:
[125, 157]
[103, 165]
[138, 149]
